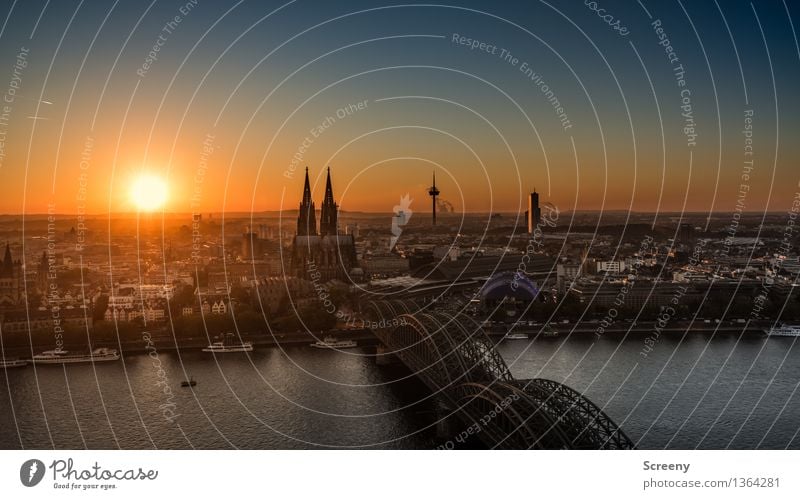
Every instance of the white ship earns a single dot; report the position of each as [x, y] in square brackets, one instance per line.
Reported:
[332, 342]
[515, 336]
[229, 345]
[6, 363]
[59, 356]
[784, 330]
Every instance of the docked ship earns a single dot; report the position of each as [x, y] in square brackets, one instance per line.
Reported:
[229, 344]
[6, 363]
[515, 336]
[784, 330]
[333, 343]
[59, 356]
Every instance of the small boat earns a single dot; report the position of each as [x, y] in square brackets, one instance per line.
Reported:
[515, 336]
[784, 330]
[332, 343]
[6, 363]
[60, 356]
[189, 382]
[229, 345]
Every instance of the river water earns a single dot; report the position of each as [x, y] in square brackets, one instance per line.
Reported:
[693, 392]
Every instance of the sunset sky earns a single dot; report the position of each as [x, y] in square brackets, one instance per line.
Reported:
[382, 93]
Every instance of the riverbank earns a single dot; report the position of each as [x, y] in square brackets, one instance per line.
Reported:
[163, 341]
[752, 328]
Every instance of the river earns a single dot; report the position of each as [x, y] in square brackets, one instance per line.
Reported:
[701, 391]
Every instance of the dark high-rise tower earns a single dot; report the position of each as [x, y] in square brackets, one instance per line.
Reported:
[328, 220]
[433, 192]
[307, 218]
[534, 213]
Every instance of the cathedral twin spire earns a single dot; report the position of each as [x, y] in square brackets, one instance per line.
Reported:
[7, 268]
[307, 220]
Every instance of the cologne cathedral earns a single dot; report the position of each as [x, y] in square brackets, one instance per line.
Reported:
[326, 252]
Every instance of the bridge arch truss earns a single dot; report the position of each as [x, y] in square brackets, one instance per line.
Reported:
[457, 361]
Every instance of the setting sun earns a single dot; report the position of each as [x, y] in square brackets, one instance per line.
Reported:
[148, 192]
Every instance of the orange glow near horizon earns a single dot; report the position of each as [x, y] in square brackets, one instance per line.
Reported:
[148, 192]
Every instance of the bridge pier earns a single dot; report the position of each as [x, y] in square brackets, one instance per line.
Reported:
[445, 429]
[383, 357]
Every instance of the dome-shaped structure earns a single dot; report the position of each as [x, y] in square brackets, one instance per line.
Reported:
[506, 285]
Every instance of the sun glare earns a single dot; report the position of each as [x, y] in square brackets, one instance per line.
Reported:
[148, 192]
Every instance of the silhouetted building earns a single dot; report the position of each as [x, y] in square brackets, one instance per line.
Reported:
[381, 266]
[538, 267]
[328, 220]
[251, 245]
[11, 284]
[534, 213]
[221, 277]
[325, 256]
[566, 274]
[621, 294]
[686, 233]
[307, 218]
[22, 322]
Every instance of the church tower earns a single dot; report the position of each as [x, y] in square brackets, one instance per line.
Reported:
[11, 284]
[8, 263]
[328, 221]
[307, 218]
[325, 255]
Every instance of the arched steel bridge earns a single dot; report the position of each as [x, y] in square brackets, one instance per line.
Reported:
[458, 363]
